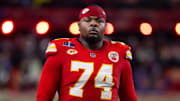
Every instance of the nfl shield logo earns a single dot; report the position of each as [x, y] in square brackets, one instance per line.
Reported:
[113, 56]
[93, 55]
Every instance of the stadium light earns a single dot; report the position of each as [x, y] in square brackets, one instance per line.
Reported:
[42, 27]
[146, 28]
[177, 28]
[74, 28]
[7, 27]
[109, 28]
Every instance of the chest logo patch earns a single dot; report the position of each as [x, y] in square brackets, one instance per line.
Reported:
[72, 51]
[68, 44]
[113, 56]
[93, 55]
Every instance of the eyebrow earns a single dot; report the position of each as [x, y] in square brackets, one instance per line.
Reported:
[97, 18]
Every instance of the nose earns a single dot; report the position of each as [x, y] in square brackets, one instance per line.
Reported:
[93, 23]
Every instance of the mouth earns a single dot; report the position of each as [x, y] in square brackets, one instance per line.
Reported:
[93, 31]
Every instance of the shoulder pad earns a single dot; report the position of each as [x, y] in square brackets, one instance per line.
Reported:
[128, 54]
[118, 42]
[51, 49]
[61, 39]
[52, 46]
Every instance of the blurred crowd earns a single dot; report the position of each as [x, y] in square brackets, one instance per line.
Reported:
[156, 63]
[21, 61]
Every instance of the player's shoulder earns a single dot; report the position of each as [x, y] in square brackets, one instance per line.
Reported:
[60, 40]
[120, 44]
[123, 47]
[55, 44]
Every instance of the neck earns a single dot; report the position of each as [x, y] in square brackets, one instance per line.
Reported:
[94, 46]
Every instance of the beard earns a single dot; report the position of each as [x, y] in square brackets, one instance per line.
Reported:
[92, 39]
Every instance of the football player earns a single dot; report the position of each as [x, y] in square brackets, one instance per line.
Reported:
[87, 68]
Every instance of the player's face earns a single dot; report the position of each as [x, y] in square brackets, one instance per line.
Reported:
[92, 28]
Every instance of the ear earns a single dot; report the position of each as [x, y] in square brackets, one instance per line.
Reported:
[79, 25]
[105, 24]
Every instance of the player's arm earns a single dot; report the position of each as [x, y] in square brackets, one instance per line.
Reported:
[126, 90]
[50, 77]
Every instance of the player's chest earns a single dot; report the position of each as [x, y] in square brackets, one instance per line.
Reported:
[107, 56]
[78, 62]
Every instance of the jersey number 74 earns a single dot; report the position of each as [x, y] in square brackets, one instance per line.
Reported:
[103, 79]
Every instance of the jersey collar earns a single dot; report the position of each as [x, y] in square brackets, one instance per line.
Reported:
[103, 49]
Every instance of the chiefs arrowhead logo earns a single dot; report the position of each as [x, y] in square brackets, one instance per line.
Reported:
[113, 56]
[72, 51]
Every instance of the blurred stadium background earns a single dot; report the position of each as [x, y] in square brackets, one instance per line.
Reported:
[150, 27]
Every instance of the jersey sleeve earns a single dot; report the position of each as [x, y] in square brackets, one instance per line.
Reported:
[126, 90]
[51, 49]
[128, 54]
[50, 77]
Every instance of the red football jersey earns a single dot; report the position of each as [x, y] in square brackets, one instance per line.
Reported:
[79, 74]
